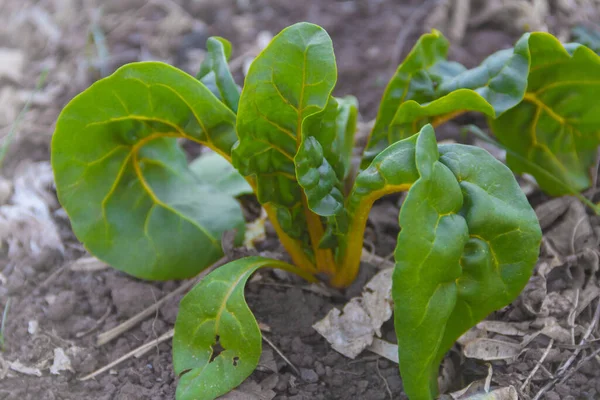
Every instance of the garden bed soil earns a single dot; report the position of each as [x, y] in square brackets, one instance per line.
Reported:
[70, 307]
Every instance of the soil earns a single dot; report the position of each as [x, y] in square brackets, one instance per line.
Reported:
[71, 307]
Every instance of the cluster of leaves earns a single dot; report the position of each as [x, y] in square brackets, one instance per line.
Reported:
[469, 237]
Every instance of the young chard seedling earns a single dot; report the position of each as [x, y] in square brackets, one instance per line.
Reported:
[469, 237]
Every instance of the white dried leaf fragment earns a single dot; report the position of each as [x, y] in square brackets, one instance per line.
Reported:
[350, 331]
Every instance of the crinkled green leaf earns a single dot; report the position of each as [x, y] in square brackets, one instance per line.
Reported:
[316, 160]
[427, 88]
[539, 86]
[215, 75]
[557, 125]
[467, 247]
[214, 170]
[124, 181]
[217, 342]
[289, 83]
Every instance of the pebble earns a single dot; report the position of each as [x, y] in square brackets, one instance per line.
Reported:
[309, 375]
[63, 306]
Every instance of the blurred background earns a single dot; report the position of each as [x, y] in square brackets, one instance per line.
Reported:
[79, 41]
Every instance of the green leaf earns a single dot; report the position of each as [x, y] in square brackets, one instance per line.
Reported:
[215, 75]
[289, 83]
[214, 316]
[427, 88]
[124, 181]
[214, 170]
[557, 125]
[347, 115]
[415, 79]
[539, 97]
[467, 247]
[317, 159]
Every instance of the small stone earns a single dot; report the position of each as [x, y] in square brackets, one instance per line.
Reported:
[331, 358]
[309, 375]
[319, 368]
[63, 306]
[552, 396]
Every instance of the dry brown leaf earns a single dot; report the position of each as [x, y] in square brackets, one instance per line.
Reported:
[384, 349]
[491, 349]
[504, 328]
[17, 366]
[26, 224]
[352, 330]
[61, 362]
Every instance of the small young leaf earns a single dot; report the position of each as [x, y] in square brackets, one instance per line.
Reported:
[346, 124]
[215, 75]
[212, 169]
[217, 342]
[124, 181]
[467, 247]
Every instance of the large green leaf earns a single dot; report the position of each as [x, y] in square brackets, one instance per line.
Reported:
[415, 79]
[557, 125]
[213, 169]
[124, 181]
[539, 97]
[217, 342]
[427, 88]
[288, 87]
[215, 75]
[467, 247]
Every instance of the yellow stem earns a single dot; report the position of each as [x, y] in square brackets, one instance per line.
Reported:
[323, 257]
[351, 259]
[437, 121]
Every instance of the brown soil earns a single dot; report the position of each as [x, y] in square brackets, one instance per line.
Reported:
[72, 307]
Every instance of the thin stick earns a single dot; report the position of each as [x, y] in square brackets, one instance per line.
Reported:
[537, 365]
[96, 325]
[137, 353]
[4, 315]
[385, 382]
[111, 334]
[562, 369]
[288, 362]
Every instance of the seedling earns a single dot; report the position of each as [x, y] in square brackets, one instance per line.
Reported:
[469, 237]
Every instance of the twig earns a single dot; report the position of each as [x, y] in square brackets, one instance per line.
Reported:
[2, 324]
[51, 277]
[417, 15]
[562, 373]
[137, 353]
[385, 382]
[96, 325]
[562, 369]
[537, 365]
[111, 334]
[288, 362]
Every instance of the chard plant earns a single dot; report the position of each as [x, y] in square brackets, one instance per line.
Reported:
[468, 239]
